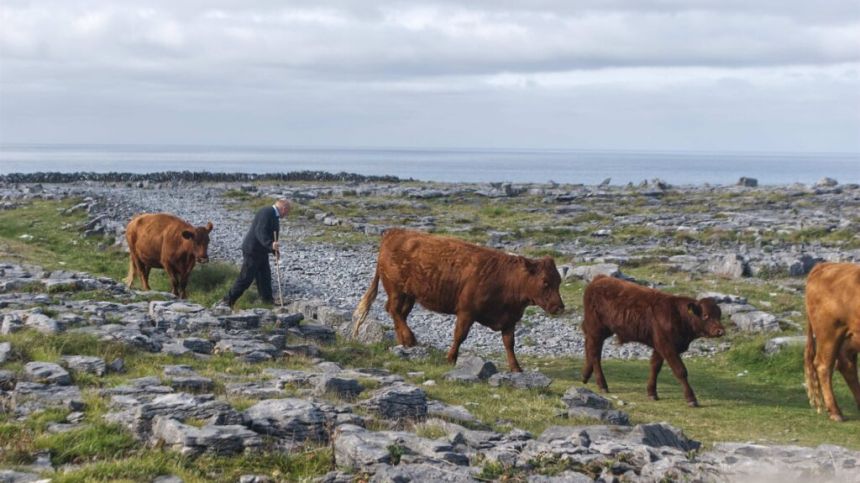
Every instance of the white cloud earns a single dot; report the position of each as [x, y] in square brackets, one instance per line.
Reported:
[669, 59]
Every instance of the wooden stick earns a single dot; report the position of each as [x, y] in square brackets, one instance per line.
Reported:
[278, 270]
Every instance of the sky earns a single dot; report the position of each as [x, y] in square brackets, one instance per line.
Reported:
[700, 75]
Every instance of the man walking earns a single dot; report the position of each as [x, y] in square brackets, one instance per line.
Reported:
[260, 241]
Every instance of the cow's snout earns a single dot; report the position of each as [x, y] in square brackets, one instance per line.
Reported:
[203, 260]
[556, 309]
[718, 332]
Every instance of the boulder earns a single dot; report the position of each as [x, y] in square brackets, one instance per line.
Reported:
[138, 416]
[420, 472]
[731, 265]
[198, 345]
[584, 403]
[471, 368]
[589, 272]
[48, 373]
[520, 380]
[5, 351]
[43, 324]
[756, 321]
[398, 402]
[410, 353]
[777, 344]
[747, 182]
[293, 419]
[28, 397]
[341, 387]
[188, 440]
[85, 364]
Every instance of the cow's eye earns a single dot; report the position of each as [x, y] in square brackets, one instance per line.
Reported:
[545, 284]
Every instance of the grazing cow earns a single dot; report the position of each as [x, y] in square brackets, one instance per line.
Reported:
[666, 323]
[165, 241]
[833, 333]
[451, 276]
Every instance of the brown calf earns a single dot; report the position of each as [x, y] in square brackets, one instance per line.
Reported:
[451, 276]
[165, 241]
[666, 323]
[833, 333]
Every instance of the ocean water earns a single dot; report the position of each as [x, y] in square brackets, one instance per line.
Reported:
[464, 165]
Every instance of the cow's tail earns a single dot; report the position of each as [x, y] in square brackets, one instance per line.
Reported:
[813, 385]
[129, 279]
[360, 314]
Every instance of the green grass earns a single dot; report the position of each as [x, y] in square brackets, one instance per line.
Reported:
[745, 395]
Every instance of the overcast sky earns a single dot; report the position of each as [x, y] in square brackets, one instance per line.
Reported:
[724, 75]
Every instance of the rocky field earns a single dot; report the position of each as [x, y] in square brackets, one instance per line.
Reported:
[100, 382]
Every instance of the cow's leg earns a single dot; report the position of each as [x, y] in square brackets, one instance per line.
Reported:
[680, 371]
[183, 284]
[593, 351]
[144, 277]
[399, 306]
[173, 275]
[656, 365]
[847, 365]
[508, 339]
[461, 331]
[826, 353]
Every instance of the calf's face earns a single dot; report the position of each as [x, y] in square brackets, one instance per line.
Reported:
[199, 238]
[704, 315]
[542, 285]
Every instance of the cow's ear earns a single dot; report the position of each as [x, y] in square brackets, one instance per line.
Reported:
[531, 266]
[187, 234]
[209, 227]
[694, 309]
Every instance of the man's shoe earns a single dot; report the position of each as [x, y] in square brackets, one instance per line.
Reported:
[222, 305]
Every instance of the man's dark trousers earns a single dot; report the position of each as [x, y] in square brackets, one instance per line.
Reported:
[256, 247]
[255, 267]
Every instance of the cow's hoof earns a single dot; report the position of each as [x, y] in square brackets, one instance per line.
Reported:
[693, 404]
[653, 397]
[837, 418]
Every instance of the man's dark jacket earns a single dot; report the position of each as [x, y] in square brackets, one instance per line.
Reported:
[261, 235]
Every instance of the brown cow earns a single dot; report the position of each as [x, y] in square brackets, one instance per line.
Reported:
[450, 276]
[666, 323]
[165, 241]
[833, 332]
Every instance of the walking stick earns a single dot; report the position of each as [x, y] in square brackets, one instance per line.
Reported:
[278, 270]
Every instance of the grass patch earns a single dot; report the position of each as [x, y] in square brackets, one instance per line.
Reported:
[745, 395]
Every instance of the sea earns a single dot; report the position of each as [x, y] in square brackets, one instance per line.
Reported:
[450, 165]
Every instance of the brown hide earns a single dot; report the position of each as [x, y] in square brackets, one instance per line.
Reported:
[450, 276]
[665, 322]
[165, 241]
[833, 333]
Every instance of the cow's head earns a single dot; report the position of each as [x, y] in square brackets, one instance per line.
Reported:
[541, 285]
[704, 317]
[199, 239]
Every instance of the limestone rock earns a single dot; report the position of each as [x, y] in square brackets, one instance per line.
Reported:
[48, 373]
[85, 364]
[777, 344]
[397, 402]
[756, 321]
[521, 380]
[342, 387]
[5, 351]
[471, 368]
[292, 419]
[192, 441]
